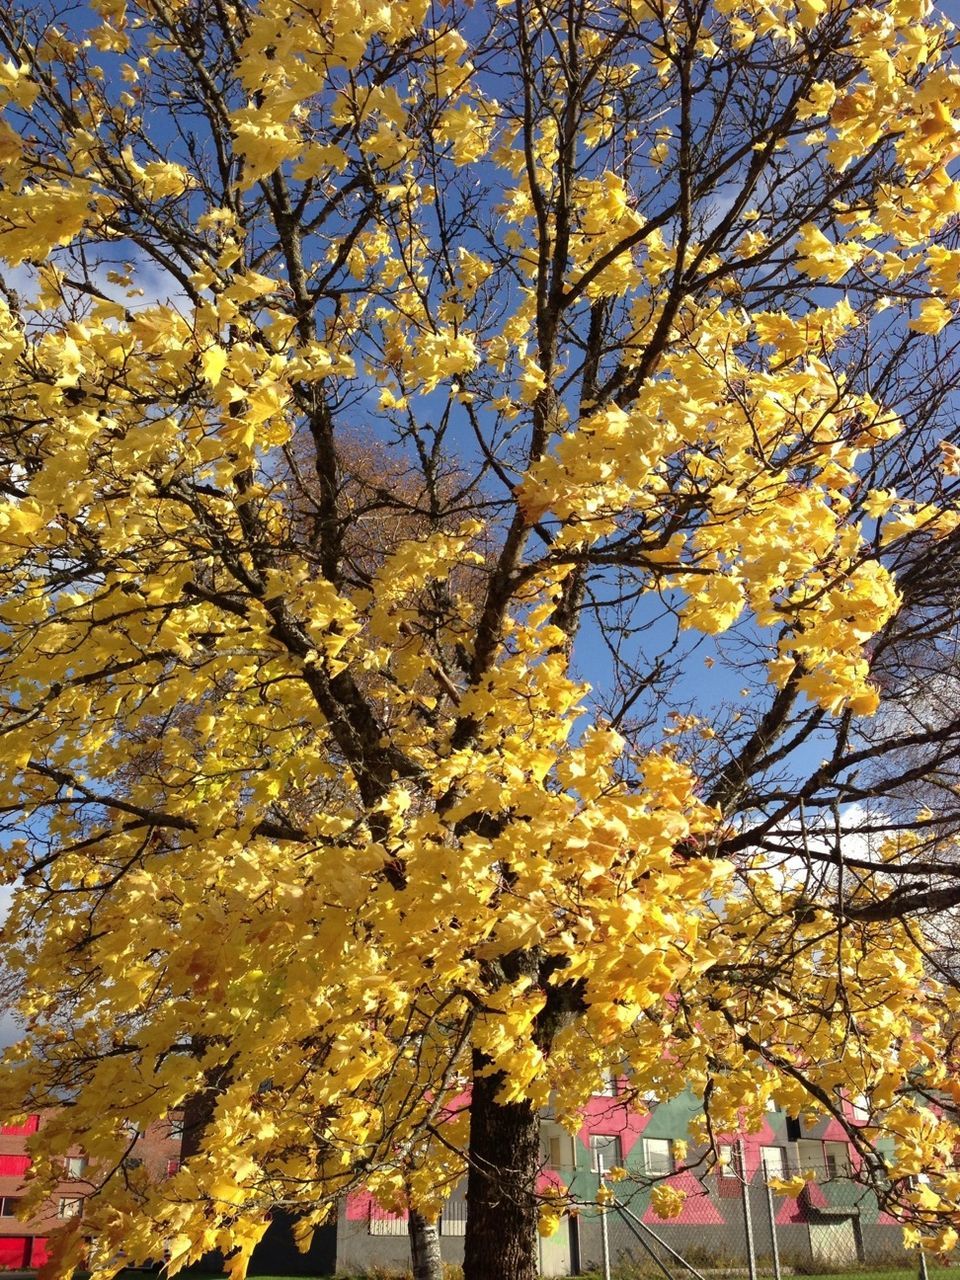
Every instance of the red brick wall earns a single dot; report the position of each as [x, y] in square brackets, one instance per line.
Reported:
[23, 1244]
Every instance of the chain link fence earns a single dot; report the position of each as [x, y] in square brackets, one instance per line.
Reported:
[731, 1227]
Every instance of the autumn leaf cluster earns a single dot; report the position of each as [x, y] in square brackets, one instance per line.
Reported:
[300, 764]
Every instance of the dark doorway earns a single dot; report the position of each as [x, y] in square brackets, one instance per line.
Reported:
[573, 1226]
[278, 1255]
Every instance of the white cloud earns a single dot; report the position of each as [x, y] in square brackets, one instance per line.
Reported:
[150, 284]
[806, 853]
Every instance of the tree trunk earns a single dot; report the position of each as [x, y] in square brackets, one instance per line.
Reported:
[501, 1239]
[424, 1247]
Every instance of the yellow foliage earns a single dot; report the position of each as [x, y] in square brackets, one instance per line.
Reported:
[667, 1201]
[328, 419]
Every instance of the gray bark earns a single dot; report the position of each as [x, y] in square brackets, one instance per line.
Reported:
[424, 1247]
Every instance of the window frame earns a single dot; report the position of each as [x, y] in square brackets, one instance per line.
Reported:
[811, 1155]
[832, 1158]
[453, 1215]
[609, 1084]
[610, 1143]
[652, 1160]
[729, 1167]
[558, 1148]
[391, 1224]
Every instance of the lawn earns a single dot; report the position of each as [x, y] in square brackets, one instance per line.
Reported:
[873, 1273]
[619, 1273]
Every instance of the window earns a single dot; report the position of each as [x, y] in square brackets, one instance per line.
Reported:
[608, 1089]
[387, 1224]
[727, 1162]
[131, 1129]
[773, 1162]
[453, 1218]
[837, 1159]
[173, 1166]
[772, 1105]
[70, 1207]
[810, 1154]
[657, 1155]
[558, 1149]
[860, 1106]
[8, 1206]
[75, 1166]
[176, 1127]
[605, 1148]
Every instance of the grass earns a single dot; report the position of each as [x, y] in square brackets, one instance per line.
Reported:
[892, 1273]
[871, 1273]
[620, 1273]
[634, 1273]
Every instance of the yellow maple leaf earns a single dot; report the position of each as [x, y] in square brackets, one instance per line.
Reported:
[213, 361]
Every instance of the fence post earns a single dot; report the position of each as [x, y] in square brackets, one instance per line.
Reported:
[604, 1231]
[922, 1272]
[747, 1218]
[773, 1230]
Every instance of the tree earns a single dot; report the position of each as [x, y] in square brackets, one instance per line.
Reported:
[649, 309]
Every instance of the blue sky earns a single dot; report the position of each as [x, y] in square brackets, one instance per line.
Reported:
[8, 1032]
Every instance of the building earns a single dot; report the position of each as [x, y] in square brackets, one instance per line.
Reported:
[831, 1224]
[24, 1244]
[728, 1211]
